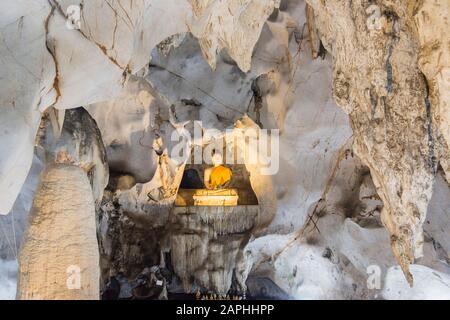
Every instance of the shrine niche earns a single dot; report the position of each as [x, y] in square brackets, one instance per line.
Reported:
[210, 226]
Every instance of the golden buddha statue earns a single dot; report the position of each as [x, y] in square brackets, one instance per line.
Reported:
[219, 176]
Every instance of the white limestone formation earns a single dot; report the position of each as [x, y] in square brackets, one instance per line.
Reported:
[59, 255]
[359, 91]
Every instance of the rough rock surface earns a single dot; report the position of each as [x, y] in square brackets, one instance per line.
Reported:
[378, 82]
[234, 25]
[45, 71]
[359, 91]
[431, 20]
[63, 210]
[80, 144]
[128, 125]
[54, 265]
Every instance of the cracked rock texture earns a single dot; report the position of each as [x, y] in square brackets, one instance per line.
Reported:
[431, 21]
[377, 80]
[45, 71]
[234, 25]
[80, 144]
[358, 89]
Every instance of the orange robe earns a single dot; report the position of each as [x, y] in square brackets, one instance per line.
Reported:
[220, 175]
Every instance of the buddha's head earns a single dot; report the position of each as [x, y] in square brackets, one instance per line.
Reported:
[217, 159]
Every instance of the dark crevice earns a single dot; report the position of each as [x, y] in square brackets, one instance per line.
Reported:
[257, 102]
[431, 141]
[392, 41]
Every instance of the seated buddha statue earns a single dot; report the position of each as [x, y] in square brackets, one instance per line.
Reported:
[219, 176]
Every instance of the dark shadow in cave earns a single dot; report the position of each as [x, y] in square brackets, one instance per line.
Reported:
[191, 180]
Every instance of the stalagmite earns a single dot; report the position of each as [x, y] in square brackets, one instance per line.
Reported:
[59, 258]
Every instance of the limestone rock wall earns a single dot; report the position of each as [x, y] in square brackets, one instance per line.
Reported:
[378, 82]
[359, 91]
[81, 144]
[30, 71]
[431, 22]
[45, 71]
[234, 25]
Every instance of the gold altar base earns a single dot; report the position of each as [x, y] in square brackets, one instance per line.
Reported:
[224, 197]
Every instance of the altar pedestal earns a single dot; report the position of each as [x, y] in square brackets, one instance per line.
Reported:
[225, 197]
